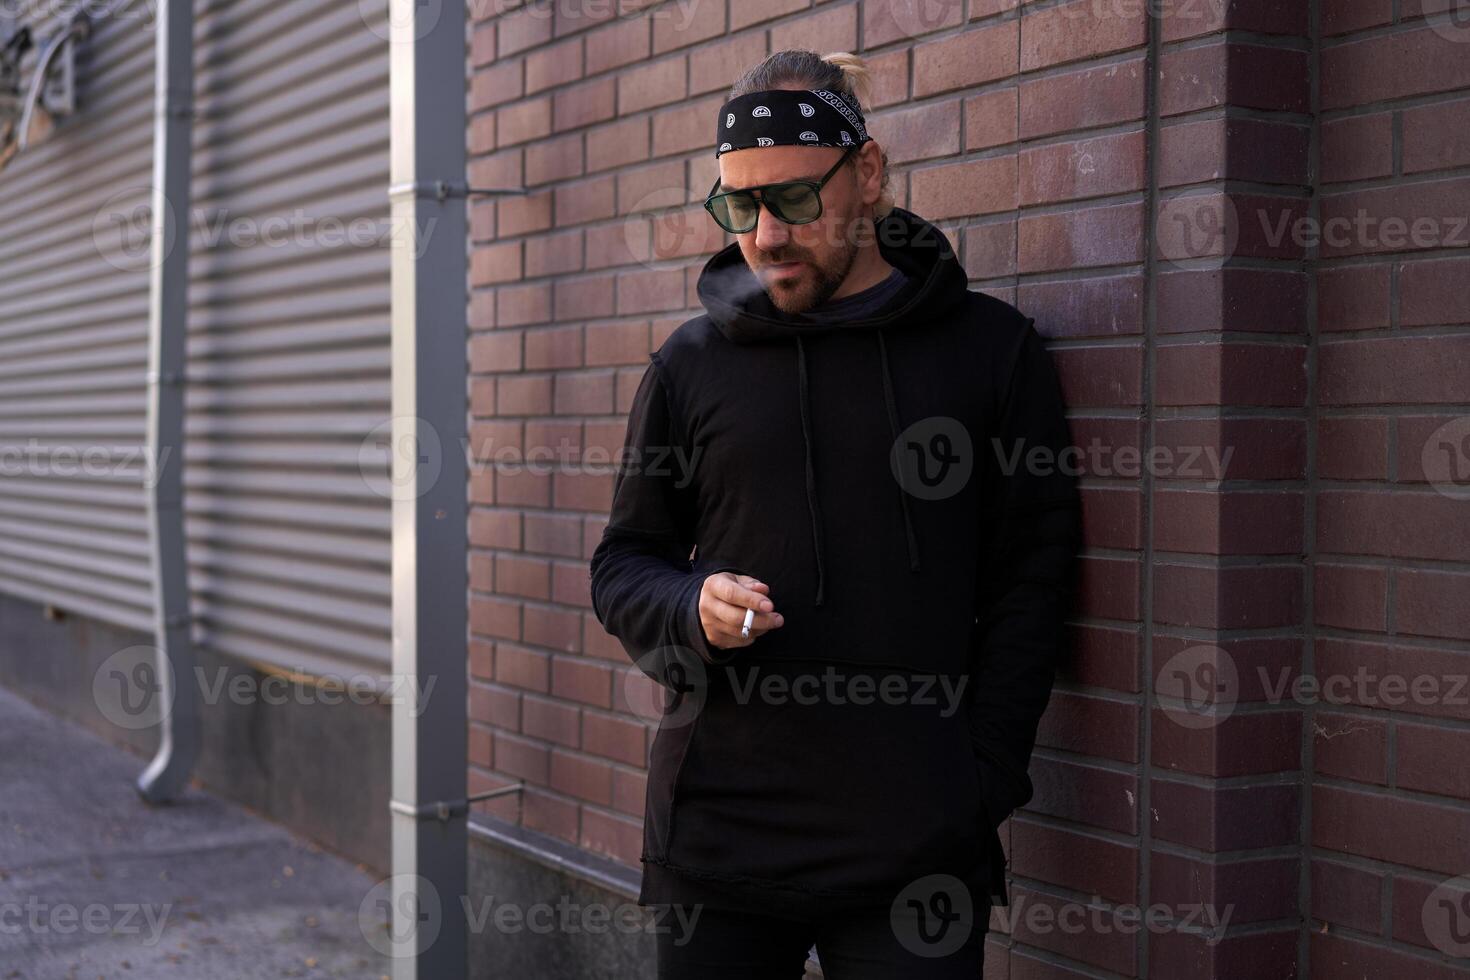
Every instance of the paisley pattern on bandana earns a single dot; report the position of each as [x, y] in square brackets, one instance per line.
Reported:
[790, 117]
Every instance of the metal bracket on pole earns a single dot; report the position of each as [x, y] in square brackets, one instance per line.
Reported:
[445, 810]
[442, 190]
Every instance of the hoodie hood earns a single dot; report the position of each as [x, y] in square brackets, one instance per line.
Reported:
[741, 309]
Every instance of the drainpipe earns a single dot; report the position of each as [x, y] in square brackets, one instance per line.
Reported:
[429, 805]
[168, 773]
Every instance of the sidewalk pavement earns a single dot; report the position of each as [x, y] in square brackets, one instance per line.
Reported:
[94, 883]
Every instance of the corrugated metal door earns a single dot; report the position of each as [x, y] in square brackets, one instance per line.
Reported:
[288, 349]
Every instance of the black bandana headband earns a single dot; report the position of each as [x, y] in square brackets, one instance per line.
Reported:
[786, 117]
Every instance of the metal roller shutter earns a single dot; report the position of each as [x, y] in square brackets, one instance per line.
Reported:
[288, 367]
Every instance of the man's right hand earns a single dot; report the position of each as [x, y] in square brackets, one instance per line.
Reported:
[723, 600]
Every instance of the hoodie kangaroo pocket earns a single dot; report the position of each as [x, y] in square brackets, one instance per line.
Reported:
[829, 786]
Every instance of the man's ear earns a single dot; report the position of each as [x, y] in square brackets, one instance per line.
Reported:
[870, 172]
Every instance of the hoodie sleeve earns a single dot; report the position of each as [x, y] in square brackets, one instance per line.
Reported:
[1026, 575]
[644, 588]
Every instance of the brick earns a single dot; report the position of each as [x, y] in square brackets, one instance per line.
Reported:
[496, 617]
[1215, 818]
[617, 343]
[554, 159]
[1185, 18]
[965, 60]
[831, 29]
[1085, 794]
[1353, 597]
[1420, 835]
[1392, 66]
[1353, 297]
[1080, 30]
[581, 105]
[1238, 745]
[1232, 597]
[524, 28]
[1218, 74]
[1420, 441]
[522, 122]
[498, 351]
[621, 739]
[554, 65]
[717, 65]
[612, 836]
[1083, 99]
[1345, 16]
[556, 629]
[982, 186]
[1086, 168]
[689, 127]
[529, 577]
[921, 133]
[1346, 896]
[1095, 307]
[1039, 925]
[516, 756]
[548, 814]
[1100, 376]
[551, 721]
[1108, 235]
[1420, 761]
[654, 84]
[1255, 890]
[520, 305]
[1412, 679]
[1433, 293]
[1211, 522]
[584, 681]
[584, 297]
[680, 26]
[990, 249]
[1435, 136]
[1357, 147]
[555, 254]
[1231, 298]
[1094, 726]
[1104, 656]
[618, 143]
[1336, 957]
[1192, 953]
[1234, 448]
[886, 21]
[1074, 860]
[649, 290]
[621, 42]
[1403, 217]
[1230, 374]
[581, 777]
[1109, 588]
[1430, 603]
[991, 119]
[1350, 747]
[1408, 370]
[496, 85]
[586, 200]
[495, 529]
[1232, 149]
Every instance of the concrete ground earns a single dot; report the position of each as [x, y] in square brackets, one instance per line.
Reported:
[94, 883]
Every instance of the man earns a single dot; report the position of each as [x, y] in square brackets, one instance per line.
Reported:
[863, 453]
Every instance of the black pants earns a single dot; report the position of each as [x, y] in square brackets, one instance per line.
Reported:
[696, 942]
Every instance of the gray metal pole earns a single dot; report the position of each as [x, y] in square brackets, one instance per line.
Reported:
[430, 538]
[168, 302]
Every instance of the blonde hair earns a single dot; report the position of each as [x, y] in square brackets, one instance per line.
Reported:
[841, 71]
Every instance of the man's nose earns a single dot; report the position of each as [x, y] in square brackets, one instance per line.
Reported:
[770, 231]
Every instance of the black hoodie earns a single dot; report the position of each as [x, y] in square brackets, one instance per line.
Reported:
[883, 732]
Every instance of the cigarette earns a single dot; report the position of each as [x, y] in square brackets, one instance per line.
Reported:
[749, 618]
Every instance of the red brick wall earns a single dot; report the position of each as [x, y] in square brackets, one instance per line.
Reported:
[1121, 177]
[1389, 823]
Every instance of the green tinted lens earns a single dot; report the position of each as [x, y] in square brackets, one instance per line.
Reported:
[795, 203]
[736, 211]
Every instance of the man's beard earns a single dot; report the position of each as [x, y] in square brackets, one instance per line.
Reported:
[814, 286]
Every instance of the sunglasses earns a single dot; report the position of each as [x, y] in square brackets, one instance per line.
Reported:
[796, 202]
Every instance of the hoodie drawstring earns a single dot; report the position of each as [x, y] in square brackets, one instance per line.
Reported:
[811, 475]
[903, 494]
